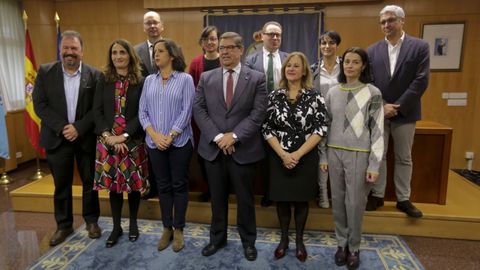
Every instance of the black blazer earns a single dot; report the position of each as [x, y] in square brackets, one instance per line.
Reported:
[51, 106]
[104, 107]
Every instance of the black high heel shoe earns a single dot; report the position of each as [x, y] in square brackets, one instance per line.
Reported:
[133, 233]
[113, 238]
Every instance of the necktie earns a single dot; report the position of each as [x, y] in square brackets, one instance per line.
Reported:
[152, 61]
[229, 96]
[270, 73]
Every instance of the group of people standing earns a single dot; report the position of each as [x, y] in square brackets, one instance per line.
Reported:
[305, 124]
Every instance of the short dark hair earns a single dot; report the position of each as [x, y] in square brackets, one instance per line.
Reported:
[237, 39]
[178, 62]
[331, 34]
[72, 34]
[206, 32]
[365, 76]
[134, 70]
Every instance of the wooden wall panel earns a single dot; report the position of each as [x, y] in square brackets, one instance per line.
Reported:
[175, 4]
[102, 21]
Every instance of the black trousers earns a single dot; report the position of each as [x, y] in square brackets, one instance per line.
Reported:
[220, 171]
[61, 161]
[170, 169]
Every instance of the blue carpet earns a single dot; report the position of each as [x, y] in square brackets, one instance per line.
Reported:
[81, 252]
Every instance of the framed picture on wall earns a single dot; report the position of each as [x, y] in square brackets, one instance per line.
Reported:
[446, 45]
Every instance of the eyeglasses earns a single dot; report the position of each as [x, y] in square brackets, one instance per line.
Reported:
[211, 39]
[151, 23]
[389, 21]
[273, 34]
[228, 48]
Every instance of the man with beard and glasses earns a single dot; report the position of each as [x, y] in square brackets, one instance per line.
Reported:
[63, 99]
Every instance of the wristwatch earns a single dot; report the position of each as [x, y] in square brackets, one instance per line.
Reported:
[173, 134]
[126, 135]
[235, 137]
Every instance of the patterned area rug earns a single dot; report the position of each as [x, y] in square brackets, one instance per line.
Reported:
[81, 252]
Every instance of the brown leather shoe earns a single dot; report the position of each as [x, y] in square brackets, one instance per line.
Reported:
[93, 230]
[59, 236]
[167, 236]
[178, 242]
[341, 256]
[353, 260]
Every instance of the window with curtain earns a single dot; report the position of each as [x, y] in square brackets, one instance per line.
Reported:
[12, 55]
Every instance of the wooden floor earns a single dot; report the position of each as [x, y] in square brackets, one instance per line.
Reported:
[459, 218]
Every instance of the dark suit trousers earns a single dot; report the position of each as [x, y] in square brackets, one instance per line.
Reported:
[61, 161]
[170, 168]
[219, 171]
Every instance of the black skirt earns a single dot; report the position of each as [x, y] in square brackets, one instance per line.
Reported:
[293, 185]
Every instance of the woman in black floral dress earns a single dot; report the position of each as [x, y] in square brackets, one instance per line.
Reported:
[294, 125]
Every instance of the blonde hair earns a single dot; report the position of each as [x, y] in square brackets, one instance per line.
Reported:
[306, 78]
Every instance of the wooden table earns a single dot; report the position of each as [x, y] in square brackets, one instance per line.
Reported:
[431, 160]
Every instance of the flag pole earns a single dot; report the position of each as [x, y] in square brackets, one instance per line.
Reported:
[57, 19]
[38, 174]
[4, 178]
[25, 19]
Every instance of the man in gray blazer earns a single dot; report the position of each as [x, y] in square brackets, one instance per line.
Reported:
[400, 66]
[268, 61]
[229, 108]
[63, 99]
[272, 40]
[153, 27]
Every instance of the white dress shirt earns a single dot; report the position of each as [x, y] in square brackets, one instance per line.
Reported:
[393, 51]
[277, 66]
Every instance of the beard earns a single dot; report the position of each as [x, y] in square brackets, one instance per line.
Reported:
[70, 60]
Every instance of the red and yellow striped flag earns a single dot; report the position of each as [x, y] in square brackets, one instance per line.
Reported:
[32, 121]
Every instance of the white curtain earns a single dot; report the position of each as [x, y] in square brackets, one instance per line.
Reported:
[12, 55]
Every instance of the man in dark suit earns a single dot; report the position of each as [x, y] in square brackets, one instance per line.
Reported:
[63, 99]
[268, 61]
[229, 109]
[153, 27]
[400, 66]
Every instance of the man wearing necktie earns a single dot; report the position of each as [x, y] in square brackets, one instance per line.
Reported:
[153, 27]
[229, 108]
[268, 61]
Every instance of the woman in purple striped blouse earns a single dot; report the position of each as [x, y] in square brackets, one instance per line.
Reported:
[165, 112]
